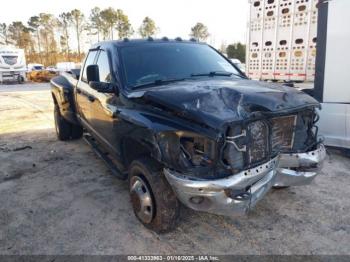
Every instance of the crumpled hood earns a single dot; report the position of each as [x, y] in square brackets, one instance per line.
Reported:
[217, 101]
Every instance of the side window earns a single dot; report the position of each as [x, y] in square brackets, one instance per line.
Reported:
[89, 61]
[103, 66]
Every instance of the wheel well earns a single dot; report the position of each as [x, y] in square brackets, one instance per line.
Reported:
[132, 150]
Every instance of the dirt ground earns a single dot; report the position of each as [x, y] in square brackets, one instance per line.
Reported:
[59, 198]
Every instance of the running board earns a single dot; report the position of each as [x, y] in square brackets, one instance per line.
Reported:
[113, 168]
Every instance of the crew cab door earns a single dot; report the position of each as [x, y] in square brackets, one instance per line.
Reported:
[82, 91]
[103, 118]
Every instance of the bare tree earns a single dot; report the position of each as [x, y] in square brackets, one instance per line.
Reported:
[64, 23]
[34, 24]
[16, 33]
[21, 37]
[200, 32]
[123, 25]
[48, 23]
[96, 21]
[38, 36]
[109, 17]
[4, 33]
[148, 27]
[77, 18]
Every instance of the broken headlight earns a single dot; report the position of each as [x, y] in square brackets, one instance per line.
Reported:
[235, 147]
[186, 149]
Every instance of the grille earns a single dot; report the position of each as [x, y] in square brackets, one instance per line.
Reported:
[258, 147]
[10, 60]
[282, 136]
[259, 140]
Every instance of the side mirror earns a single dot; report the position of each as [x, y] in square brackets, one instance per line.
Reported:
[92, 73]
[103, 87]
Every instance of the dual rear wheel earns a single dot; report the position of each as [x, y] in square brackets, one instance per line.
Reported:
[64, 129]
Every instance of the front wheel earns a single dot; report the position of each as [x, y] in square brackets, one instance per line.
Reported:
[153, 200]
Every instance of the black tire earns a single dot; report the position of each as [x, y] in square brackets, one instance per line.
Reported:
[64, 129]
[77, 131]
[62, 126]
[163, 214]
[20, 79]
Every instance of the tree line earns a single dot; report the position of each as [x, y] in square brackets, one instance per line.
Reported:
[47, 38]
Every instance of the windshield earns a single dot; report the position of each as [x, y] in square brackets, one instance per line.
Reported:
[162, 62]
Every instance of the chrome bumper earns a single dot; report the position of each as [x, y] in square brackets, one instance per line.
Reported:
[299, 169]
[234, 195]
[237, 194]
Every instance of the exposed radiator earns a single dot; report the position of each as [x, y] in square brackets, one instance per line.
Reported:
[258, 147]
[282, 136]
[261, 139]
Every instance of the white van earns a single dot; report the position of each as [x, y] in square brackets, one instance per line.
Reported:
[12, 64]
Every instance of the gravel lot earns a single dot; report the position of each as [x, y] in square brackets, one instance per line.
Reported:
[59, 198]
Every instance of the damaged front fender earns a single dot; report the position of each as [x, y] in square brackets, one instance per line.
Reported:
[161, 133]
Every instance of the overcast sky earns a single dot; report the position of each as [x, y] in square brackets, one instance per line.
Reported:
[225, 19]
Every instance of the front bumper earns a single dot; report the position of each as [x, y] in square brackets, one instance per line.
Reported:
[237, 194]
[234, 195]
[299, 168]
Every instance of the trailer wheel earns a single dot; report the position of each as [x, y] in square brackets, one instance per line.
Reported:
[20, 79]
[62, 126]
[153, 200]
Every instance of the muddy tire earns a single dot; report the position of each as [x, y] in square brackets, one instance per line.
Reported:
[64, 129]
[62, 126]
[153, 200]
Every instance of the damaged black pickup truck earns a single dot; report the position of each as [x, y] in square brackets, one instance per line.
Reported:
[183, 124]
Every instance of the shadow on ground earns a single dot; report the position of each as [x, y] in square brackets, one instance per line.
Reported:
[59, 198]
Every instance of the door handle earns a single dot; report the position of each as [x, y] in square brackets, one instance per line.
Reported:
[91, 98]
[78, 91]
